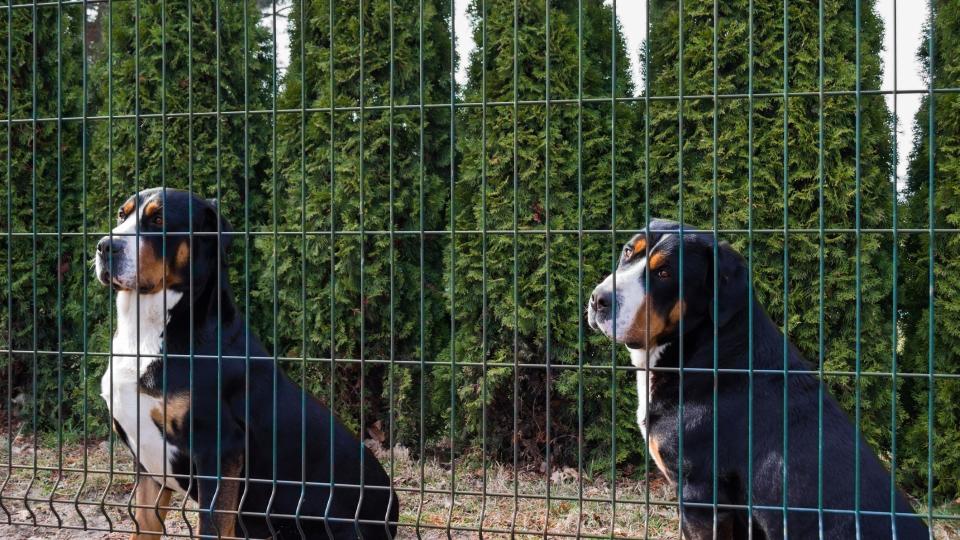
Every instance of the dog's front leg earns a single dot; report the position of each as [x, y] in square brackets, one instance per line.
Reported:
[701, 521]
[219, 498]
[153, 501]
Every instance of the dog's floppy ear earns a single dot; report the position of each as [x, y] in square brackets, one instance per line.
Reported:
[732, 278]
[211, 220]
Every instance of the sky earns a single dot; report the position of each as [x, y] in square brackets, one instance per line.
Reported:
[910, 17]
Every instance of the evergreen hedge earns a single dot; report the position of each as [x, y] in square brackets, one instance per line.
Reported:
[525, 306]
[338, 168]
[42, 286]
[915, 437]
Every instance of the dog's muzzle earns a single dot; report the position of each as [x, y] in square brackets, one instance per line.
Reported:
[601, 307]
[109, 258]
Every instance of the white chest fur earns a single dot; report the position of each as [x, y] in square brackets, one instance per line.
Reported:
[643, 359]
[133, 352]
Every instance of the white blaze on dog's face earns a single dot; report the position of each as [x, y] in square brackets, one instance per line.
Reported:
[637, 304]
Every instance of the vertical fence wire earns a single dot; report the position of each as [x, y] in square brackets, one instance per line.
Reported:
[715, 279]
[750, 301]
[246, 271]
[304, 21]
[60, 344]
[83, 278]
[34, 115]
[857, 277]
[895, 239]
[580, 291]
[931, 252]
[680, 253]
[784, 471]
[333, 270]
[422, 267]
[646, 281]
[9, 167]
[615, 251]
[821, 211]
[546, 212]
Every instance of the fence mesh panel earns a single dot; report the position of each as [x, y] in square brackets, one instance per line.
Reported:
[413, 229]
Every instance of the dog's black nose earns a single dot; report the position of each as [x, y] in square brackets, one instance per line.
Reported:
[601, 301]
[109, 246]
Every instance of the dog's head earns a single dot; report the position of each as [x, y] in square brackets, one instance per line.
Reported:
[152, 247]
[640, 303]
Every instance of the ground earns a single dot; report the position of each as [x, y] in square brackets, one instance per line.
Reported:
[94, 505]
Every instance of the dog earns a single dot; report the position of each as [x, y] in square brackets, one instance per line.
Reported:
[202, 405]
[644, 311]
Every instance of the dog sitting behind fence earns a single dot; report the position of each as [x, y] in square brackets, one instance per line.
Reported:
[244, 420]
[647, 308]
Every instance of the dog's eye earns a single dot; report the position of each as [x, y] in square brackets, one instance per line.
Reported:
[663, 273]
[627, 253]
[121, 216]
[157, 220]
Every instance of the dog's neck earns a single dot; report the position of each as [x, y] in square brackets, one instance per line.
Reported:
[141, 319]
[644, 358]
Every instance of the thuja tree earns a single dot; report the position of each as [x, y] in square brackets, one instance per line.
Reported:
[919, 444]
[43, 277]
[783, 174]
[358, 156]
[172, 81]
[530, 174]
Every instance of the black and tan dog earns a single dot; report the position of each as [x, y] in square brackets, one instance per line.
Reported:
[644, 313]
[193, 409]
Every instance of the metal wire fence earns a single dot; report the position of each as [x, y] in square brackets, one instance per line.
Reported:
[415, 248]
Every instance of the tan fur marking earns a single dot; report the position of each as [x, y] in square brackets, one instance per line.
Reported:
[639, 245]
[228, 500]
[654, 447]
[151, 267]
[657, 260]
[155, 274]
[151, 208]
[177, 407]
[183, 255]
[129, 207]
[678, 310]
[152, 501]
[647, 318]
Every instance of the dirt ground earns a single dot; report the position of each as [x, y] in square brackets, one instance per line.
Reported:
[95, 504]
[48, 487]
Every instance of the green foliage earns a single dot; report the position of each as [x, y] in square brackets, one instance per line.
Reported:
[352, 170]
[45, 278]
[518, 298]
[796, 154]
[943, 442]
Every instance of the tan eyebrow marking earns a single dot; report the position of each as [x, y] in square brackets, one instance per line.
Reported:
[657, 260]
[151, 208]
[640, 244]
[127, 208]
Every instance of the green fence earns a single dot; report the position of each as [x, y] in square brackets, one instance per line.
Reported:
[438, 236]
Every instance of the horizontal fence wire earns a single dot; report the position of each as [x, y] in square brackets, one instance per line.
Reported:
[415, 249]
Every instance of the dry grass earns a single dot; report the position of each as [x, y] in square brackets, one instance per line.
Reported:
[94, 505]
